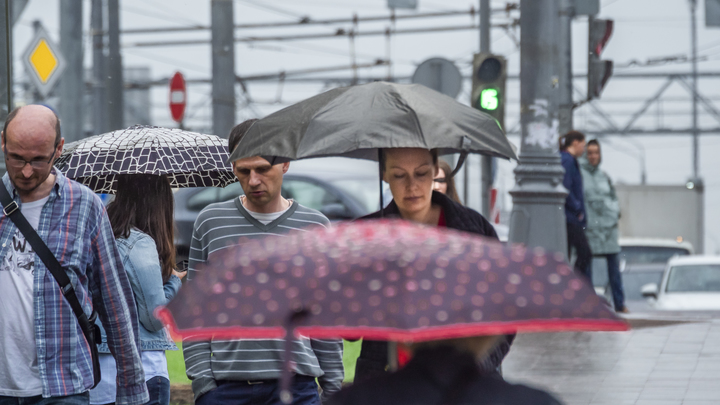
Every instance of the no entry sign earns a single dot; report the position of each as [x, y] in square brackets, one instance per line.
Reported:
[178, 97]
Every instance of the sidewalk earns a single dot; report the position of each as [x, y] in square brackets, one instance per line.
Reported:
[677, 364]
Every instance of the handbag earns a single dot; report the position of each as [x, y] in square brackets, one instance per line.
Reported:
[90, 330]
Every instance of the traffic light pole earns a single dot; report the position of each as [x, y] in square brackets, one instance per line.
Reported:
[567, 12]
[100, 121]
[72, 83]
[485, 161]
[695, 133]
[223, 67]
[538, 215]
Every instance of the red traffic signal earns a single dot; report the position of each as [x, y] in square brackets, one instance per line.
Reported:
[599, 71]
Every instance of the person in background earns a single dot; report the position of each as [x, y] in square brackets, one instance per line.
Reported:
[44, 357]
[603, 214]
[247, 371]
[444, 182]
[572, 146]
[142, 220]
[410, 173]
[444, 372]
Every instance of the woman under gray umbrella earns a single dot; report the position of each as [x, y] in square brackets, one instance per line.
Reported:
[410, 172]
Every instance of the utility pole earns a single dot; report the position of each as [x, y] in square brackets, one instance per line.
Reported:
[5, 59]
[486, 162]
[71, 86]
[100, 121]
[5, 66]
[538, 215]
[567, 12]
[695, 134]
[116, 107]
[223, 67]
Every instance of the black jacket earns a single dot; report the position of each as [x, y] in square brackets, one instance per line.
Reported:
[373, 358]
[440, 376]
[457, 216]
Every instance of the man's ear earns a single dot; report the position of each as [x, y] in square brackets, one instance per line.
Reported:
[2, 143]
[285, 167]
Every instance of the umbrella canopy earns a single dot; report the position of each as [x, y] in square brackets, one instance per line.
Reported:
[189, 159]
[384, 280]
[355, 121]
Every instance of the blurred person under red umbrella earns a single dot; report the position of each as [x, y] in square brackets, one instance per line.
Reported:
[386, 280]
[444, 372]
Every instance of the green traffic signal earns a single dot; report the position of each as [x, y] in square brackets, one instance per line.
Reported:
[489, 99]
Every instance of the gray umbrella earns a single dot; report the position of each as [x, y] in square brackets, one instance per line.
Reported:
[356, 121]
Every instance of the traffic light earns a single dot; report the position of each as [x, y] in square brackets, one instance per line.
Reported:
[599, 71]
[488, 91]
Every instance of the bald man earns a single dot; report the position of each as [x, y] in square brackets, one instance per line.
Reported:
[45, 358]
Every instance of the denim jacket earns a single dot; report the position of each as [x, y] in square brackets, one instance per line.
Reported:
[140, 259]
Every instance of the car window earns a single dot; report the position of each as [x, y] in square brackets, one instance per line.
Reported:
[230, 191]
[203, 198]
[308, 194]
[364, 191]
[650, 254]
[694, 278]
[634, 281]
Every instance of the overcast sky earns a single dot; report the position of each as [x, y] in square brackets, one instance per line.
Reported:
[644, 30]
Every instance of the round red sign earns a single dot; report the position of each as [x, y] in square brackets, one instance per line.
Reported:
[178, 97]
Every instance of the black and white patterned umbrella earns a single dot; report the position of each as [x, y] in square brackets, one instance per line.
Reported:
[189, 159]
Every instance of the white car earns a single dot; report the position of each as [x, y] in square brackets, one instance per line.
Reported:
[689, 283]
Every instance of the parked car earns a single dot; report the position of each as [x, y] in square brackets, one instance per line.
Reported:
[689, 283]
[642, 261]
[340, 188]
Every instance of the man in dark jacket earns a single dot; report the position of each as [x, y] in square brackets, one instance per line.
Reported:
[442, 373]
[572, 146]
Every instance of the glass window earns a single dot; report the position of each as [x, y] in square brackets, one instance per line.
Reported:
[308, 194]
[364, 191]
[649, 254]
[203, 198]
[694, 278]
[633, 281]
[231, 191]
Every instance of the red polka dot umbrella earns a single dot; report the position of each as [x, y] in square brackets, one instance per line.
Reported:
[384, 280]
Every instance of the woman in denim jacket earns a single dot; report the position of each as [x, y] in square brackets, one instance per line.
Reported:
[142, 219]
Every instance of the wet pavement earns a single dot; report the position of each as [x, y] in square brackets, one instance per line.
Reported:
[662, 361]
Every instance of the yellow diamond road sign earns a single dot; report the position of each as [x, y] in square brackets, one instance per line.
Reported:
[43, 62]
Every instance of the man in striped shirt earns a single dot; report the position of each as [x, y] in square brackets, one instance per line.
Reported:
[247, 371]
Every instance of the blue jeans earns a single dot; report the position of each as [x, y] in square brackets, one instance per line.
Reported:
[159, 390]
[304, 390]
[616, 285]
[79, 399]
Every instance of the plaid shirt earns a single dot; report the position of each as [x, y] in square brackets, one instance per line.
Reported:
[74, 225]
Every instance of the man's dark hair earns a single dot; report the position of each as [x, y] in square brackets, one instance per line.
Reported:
[237, 133]
[568, 139]
[15, 112]
[593, 142]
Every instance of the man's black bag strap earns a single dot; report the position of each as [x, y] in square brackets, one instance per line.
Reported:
[12, 211]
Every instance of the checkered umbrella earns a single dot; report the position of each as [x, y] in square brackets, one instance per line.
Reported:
[188, 159]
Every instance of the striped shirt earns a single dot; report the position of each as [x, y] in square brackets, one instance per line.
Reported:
[220, 226]
[74, 226]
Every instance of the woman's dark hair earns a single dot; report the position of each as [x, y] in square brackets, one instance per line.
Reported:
[568, 139]
[594, 142]
[449, 180]
[146, 202]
